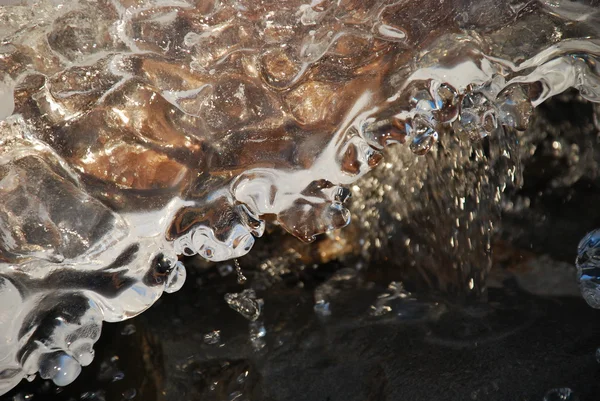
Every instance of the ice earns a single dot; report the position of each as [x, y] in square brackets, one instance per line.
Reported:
[588, 265]
[60, 367]
[132, 133]
[246, 304]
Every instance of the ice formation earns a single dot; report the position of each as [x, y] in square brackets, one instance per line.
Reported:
[588, 268]
[136, 131]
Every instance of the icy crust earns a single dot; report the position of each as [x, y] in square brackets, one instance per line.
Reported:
[133, 132]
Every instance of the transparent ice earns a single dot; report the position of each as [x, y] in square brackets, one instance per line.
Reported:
[588, 268]
[246, 304]
[136, 131]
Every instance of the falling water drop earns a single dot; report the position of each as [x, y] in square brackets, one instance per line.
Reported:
[241, 279]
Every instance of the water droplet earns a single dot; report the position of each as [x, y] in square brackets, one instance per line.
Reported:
[257, 335]
[245, 303]
[242, 377]
[60, 368]
[241, 279]
[446, 102]
[477, 117]
[423, 136]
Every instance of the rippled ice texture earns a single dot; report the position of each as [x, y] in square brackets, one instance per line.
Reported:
[132, 132]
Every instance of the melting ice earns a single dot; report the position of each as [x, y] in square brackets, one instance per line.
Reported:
[134, 132]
